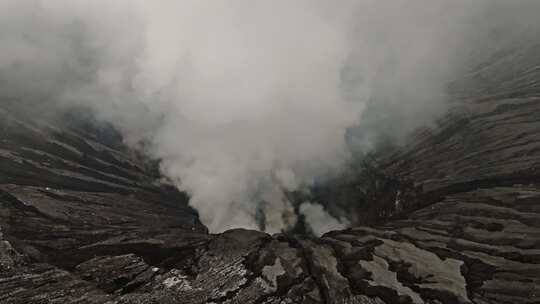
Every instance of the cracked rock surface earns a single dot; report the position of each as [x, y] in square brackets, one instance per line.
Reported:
[82, 221]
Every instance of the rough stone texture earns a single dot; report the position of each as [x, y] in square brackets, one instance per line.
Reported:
[82, 220]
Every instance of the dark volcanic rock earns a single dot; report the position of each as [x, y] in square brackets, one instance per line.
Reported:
[83, 221]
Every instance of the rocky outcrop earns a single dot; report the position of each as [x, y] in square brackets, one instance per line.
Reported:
[70, 194]
[82, 219]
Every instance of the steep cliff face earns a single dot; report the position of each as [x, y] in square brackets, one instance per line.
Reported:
[69, 192]
[82, 219]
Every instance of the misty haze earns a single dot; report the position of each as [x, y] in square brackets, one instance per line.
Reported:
[351, 151]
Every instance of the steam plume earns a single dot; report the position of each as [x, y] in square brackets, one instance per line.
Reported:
[241, 100]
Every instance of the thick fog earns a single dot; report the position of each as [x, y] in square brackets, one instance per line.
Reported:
[242, 100]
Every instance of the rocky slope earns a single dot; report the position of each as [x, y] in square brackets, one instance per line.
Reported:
[83, 221]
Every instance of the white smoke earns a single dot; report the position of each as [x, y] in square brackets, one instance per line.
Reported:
[319, 220]
[243, 99]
